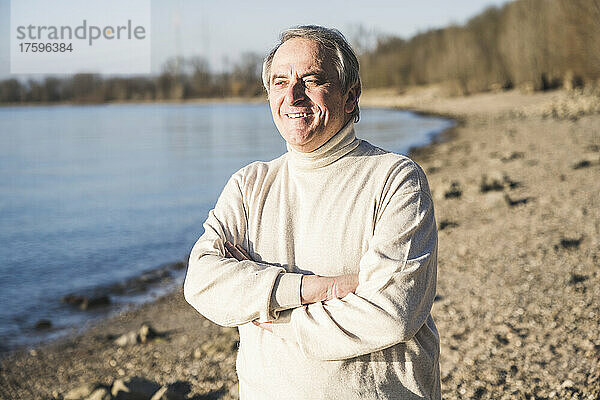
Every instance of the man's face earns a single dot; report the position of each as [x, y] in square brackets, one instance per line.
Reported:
[305, 95]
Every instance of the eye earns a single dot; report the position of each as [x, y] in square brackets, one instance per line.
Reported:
[311, 82]
[279, 83]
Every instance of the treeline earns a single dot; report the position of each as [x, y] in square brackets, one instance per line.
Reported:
[536, 44]
[181, 79]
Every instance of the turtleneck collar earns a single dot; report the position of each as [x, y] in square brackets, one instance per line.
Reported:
[335, 148]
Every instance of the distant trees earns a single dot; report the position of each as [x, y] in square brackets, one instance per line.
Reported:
[181, 78]
[539, 44]
[535, 44]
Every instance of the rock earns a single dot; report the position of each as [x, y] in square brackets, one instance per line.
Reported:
[516, 202]
[100, 393]
[582, 164]
[567, 384]
[179, 265]
[85, 302]
[175, 391]
[512, 156]
[143, 335]
[577, 278]
[146, 333]
[197, 353]
[43, 324]
[489, 184]
[454, 191]
[94, 302]
[73, 299]
[160, 394]
[571, 243]
[502, 339]
[444, 224]
[79, 392]
[127, 339]
[154, 276]
[134, 388]
[511, 184]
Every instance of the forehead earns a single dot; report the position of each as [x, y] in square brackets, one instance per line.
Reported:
[300, 55]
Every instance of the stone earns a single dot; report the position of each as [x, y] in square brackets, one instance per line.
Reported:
[94, 302]
[491, 183]
[445, 223]
[160, 394]
[134, 388]
[79, 392]
[146, 333]
[454, 191]
[197, 353]
[571, 243]
[516, 202]
[567, 384]
[43, 324]
[72, 299]
[100, 393]
[168, 393]
[127, 339]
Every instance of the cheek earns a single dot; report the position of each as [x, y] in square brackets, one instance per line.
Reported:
[329, 102]
[274, 104]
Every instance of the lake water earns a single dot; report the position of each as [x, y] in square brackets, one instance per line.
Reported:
[94, 195]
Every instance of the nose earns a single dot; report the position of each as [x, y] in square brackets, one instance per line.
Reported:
[295, 92]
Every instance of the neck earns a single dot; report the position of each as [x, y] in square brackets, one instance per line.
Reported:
[333, 149]
[310, 147]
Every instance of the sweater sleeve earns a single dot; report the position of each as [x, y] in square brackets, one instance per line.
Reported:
[231, 292]
[396, 290]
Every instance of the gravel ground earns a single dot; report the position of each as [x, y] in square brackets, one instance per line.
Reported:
[515, 186]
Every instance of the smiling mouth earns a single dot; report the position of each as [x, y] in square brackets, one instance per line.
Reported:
[298, 115]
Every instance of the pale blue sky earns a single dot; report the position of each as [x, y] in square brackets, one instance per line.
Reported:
[222, 29]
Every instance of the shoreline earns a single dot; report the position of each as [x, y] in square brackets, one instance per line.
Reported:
[95, 305]
[73, 312]
[517, 319]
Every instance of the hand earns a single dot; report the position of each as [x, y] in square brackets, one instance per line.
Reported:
[315, 288]
[264, 325]
[236, 251]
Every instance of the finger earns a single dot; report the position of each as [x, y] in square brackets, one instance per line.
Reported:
[267, 326]
[228, 254]
[234, 251]
[243, 251]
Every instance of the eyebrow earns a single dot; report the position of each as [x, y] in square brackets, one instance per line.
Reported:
[314, 73]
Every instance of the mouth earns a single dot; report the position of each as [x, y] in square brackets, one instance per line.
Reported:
[298, 115]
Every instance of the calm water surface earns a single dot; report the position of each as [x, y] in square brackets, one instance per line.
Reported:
[94, 195]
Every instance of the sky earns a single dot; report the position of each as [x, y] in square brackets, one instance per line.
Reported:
[222, 30]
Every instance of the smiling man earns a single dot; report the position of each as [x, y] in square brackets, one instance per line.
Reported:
[326, 257]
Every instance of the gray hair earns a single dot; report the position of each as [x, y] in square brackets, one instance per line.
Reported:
[344, 58]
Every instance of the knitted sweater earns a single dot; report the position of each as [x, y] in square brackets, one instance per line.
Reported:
[346, 207]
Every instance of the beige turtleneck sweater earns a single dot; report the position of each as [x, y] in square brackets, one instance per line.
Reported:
[346, 207]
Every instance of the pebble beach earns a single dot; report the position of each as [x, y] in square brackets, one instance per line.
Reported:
[516, 188]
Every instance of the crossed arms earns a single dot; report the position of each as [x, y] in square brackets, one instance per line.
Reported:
[328, 318]
[313, 288]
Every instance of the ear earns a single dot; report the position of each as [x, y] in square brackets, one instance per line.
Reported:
[352, 99]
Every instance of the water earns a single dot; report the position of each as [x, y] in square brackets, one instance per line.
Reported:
[94, 195]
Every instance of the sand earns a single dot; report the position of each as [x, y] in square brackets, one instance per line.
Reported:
[515, 186]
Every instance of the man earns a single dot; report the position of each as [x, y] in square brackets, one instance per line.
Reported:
[324, 258]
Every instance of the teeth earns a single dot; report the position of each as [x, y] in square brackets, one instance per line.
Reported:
[297, 115]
